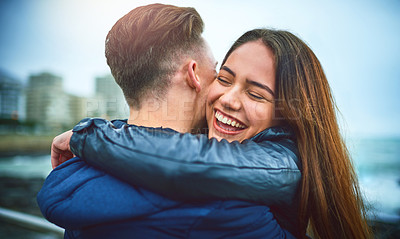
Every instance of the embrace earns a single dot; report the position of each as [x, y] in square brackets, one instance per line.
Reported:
[251, 151]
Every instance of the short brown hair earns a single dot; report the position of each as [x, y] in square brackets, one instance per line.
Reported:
[144, 46]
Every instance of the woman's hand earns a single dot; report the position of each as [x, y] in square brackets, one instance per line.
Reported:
[60, 150]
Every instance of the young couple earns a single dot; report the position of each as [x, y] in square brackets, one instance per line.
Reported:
[273, 165]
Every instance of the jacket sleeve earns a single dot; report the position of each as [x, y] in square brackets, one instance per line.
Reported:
[186, 166]
[75, 195]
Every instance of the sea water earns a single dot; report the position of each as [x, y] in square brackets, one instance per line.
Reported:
[377, 162]
[25, 166]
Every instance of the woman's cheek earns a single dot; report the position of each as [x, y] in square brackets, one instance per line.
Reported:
[262, 114]
[214, 93]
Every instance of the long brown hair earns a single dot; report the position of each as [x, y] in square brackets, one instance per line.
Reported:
[330, 201]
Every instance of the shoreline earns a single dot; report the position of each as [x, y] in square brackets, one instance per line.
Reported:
[13, 145]
[8, 154]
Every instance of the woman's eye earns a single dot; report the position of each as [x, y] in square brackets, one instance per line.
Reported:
[255, 96]
[222, 81]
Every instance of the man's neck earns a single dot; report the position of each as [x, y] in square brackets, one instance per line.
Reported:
[164, 114]
[176, 110]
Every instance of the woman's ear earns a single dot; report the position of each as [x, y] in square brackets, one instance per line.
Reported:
[192, 78]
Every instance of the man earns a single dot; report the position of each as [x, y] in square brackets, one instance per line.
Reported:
[164, 67]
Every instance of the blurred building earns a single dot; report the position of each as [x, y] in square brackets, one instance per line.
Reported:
[109, 101]
[48, 108]
[46, 102]
[10, 95]
[77, 108]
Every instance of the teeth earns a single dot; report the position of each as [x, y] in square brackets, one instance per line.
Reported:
[227, 121]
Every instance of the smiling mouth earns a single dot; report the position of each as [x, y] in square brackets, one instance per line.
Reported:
[226, 124]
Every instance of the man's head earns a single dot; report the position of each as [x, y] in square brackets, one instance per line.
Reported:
[146, 47]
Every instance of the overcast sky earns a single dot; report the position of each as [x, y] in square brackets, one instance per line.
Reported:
[357, 42]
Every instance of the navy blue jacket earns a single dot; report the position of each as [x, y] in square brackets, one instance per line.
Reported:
[264, 169]
[89, 203]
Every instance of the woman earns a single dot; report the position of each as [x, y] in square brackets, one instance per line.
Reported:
[293, 93]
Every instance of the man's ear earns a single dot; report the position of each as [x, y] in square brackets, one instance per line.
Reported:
[192, 78]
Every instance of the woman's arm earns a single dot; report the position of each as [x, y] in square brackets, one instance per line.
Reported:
[186, 166]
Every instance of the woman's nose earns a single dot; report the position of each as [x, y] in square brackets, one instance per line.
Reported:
[231, 100]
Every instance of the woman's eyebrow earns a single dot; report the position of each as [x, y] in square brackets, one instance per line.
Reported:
[228, 70]
[251, 82]
[257, 84]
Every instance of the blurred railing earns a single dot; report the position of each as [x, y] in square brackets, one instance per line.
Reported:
[29, 221]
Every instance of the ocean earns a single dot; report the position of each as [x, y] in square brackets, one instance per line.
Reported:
[377, 164]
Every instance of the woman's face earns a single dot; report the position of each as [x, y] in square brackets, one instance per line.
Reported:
[240, 103]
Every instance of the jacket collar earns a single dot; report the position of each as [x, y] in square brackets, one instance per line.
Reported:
[274, 133]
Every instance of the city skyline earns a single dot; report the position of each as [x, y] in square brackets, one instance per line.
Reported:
[42, 106]
[356, 42]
